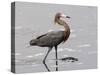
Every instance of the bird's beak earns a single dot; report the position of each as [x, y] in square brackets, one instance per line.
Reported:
[67, 17]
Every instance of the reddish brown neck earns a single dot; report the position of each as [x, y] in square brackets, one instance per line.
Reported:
[66, 27]
[61, 22]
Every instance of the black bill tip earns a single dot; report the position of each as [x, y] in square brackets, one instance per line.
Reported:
[67, 17]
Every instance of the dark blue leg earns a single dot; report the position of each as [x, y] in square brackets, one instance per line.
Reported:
[45, 59]
[56, 58]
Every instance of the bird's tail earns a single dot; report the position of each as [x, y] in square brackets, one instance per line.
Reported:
[33, 42]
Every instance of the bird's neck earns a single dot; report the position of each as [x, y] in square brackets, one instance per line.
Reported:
[67, 29]
[63, 23]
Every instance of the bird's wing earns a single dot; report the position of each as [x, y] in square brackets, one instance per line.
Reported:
[56, 34]
[52, 34]
[41, 36]
[50, 39]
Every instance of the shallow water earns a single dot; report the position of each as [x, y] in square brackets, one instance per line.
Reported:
[82, 43]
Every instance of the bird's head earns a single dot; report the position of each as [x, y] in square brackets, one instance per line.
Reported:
[58, 16]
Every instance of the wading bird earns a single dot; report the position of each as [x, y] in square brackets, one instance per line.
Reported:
[54, 38]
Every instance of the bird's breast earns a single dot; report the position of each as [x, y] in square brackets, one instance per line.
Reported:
[66, 35]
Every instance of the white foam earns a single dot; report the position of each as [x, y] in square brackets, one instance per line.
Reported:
[65, 55]
[39, 54]
[30, 56]
[60, 49]
[70, 50]
[84, 45]
[54, 66]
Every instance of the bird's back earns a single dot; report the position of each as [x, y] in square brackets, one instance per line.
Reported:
[50, 39]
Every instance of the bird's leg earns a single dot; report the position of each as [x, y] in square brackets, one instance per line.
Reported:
[47, 54]
[56, 58]
[45, 59]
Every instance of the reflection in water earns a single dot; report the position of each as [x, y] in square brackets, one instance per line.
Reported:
[37, 63]
[46, 66]
[56, 65]
[66, 59]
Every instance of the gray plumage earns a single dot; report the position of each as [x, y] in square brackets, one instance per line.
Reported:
[54, 38]
[50, 39]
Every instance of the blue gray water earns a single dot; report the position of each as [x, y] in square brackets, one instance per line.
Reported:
[33, 19]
